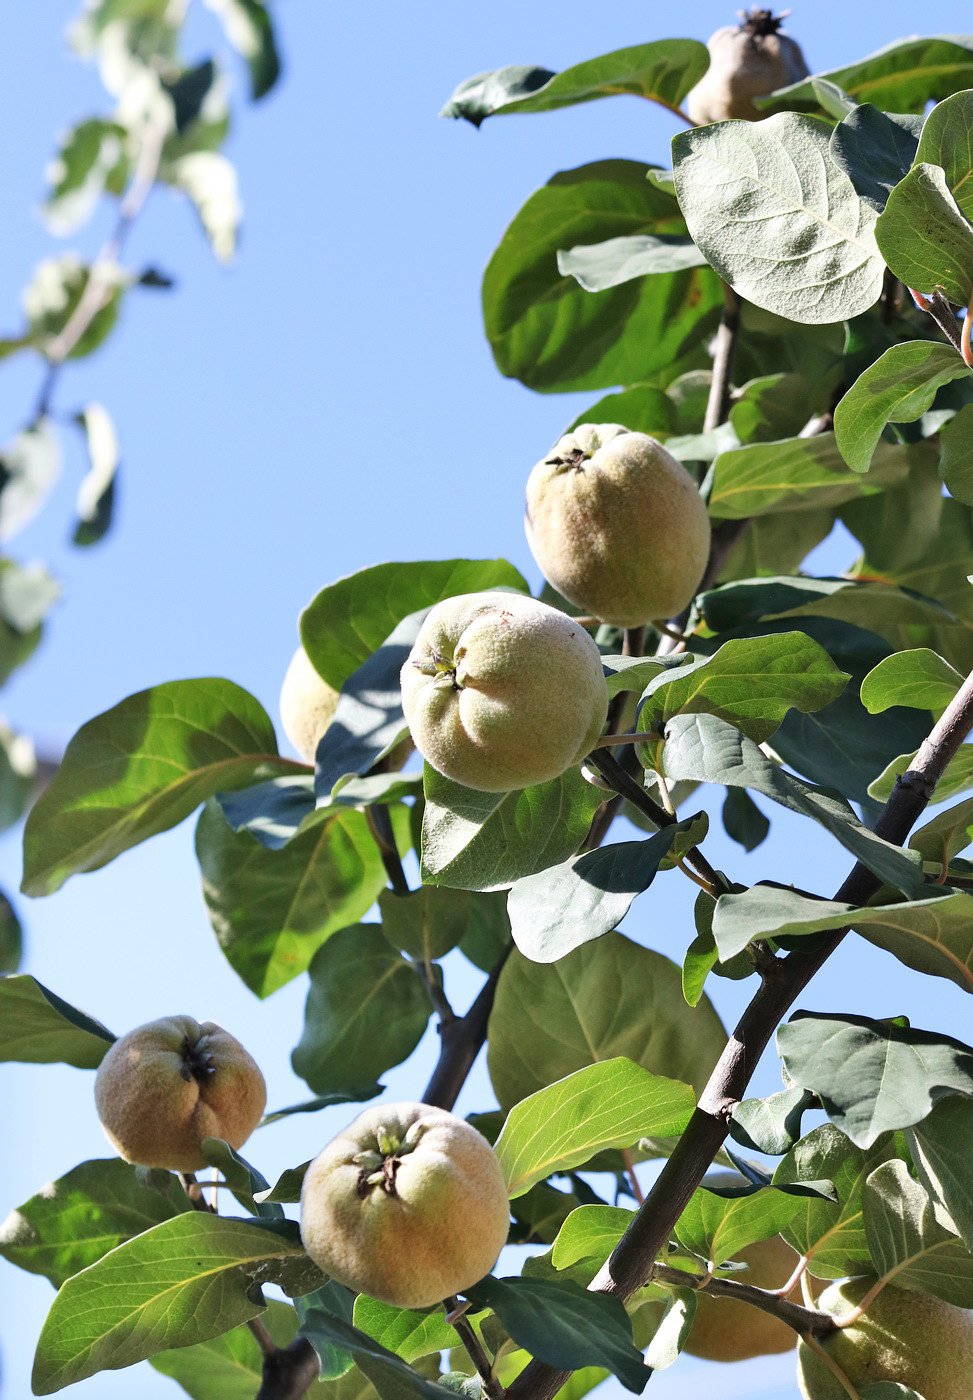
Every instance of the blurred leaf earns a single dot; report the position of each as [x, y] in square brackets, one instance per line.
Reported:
[608, 998]
[956, 455]
[662, 72]
[29, 466]
[907, 1240]
[565, 1326]
[96, 494]
[271, 909]
[141, 768]
[771, 407]
[210, 182]
[388, 1373]
[428, 922]
[918, 678]
[367, 1009]
[611, 1104]
[92, 159]
[567, 905]
[38, 1028]
[11, 937]
[771, 1125]
[743, 820]
[550, 334]
[875, 150]
[53, 295]
[598, 266]
[74, 1221]
[795, 474]
[872, 1076]
[409, 1334]
[902, 76]
[817, 235]
[179, 1283]
[250, 30]
[348, 620]
[940, 1149]
[487, 840]
[898, 388]
[924, 238]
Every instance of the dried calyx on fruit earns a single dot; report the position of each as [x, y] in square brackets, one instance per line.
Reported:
[747, 61]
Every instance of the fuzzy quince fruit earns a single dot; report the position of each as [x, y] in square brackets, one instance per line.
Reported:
[167, 1085]
[408, 1205]
[501, 692]
[904, 1336]
[617, 525]
[307, 705]
[748, 60]
[725, 1330]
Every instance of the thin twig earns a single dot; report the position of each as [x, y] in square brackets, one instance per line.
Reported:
[633, 1259]
[723, 356]
[461, 1042]
[803, 1320]
[456, 1316]
[380, 825]
[938, 307]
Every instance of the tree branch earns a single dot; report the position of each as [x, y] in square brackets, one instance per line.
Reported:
[290, 1372]
[632, 1261]
[723, 356]
[462, 1039]
[803, 1320]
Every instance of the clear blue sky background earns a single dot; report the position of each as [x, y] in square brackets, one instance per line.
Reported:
[328, 403]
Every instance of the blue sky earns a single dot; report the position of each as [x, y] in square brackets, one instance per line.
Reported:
[326, 403]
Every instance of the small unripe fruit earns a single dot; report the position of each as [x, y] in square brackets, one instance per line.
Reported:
[726, 1330]
[617, 524]
[167, 1085]
[747, 61]
[501, 692]
[408, 1205]
[904, 1336]
[307, 705]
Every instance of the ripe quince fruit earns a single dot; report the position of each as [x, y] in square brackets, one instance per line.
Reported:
[748, 60]
[408, 1205]
[307, 705]
[726, 1330]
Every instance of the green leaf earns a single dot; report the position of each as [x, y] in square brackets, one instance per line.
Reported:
[795, 474]
[179, 1283]
[565, 1326]
[93, 1208]
[92, 158]
[611, 1104]
[898, 388]
[633, 673]
[428, 922]
[940, 1150]
[958, 775]
[608, 998]
[567, 905]
[367, 1009]
[750, 682]
[388, 1373]
[663, 72]
[230, 1366]
[141, 768]
[271, 812]
[743, 820]
[249, 29]
[11, 937]
[641, 408]
[833, 1235]
[924, 237]
[409, 1334]
[717, 1227]
[96, 494]
[902, 76]
[29, 467]
[918, 679]
[771, 407]
[598, 266]
[349, 620]
[54, 292]
[704, 749]
[273, 909]
[946, 835]
[909, 1242]
[209, 181]
[488, 840]
[550, 334]
[771, 1125]
[956, 455]
[242, 1178]
[38, 1028]
[590, 1233]
[872, 1076]
[945, 141]
[26, 595]
[875, 149]
[818, 258]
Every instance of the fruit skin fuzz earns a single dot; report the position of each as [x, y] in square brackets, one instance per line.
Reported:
[408, 1205]
[501, 691]
[908, 1337]
[747, 61]
[617, 525]
[166, 1085]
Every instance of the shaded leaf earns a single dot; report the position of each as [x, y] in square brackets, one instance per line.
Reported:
[11, 937]
[96, 494]
[908, 1241]
[743, 820]
[940, 1150]
[875, 149]
[946, 835]
[956, 455]
[428, 922]
[795, 474]
[388, 1373]
[924, 238]
[771, 1125]
[38, 1028]
[598, 266]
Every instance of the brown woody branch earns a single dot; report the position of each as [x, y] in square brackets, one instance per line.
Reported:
[462, 1039]
[800, 1318]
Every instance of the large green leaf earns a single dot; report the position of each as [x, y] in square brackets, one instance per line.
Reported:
[610, 1104]
[750, 682]
[37, 1027]
[872, 1076]
[608, 998]
[550, 334]
[909, 1241]
[946, 835]
[924, 237]
[902, 76]
[272, 909]
[177, 1284]
[367, 1009]
[95, 1206]
[940, 1147]
[946, 139]
[818, 261]
[663, 72]
[139, 769]
[487, 840]
[898, 388]
[716, 1227]
[567, 905]
[796, 474]
[348, 620]
[409, 1334]
[917, 678]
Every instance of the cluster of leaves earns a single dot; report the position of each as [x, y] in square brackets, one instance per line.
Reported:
[812, 693]
[167, 124]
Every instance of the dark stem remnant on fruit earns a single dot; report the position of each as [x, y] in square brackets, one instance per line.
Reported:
[197, 1061]
[386, 1175]
[759, 23]
[574, 461]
